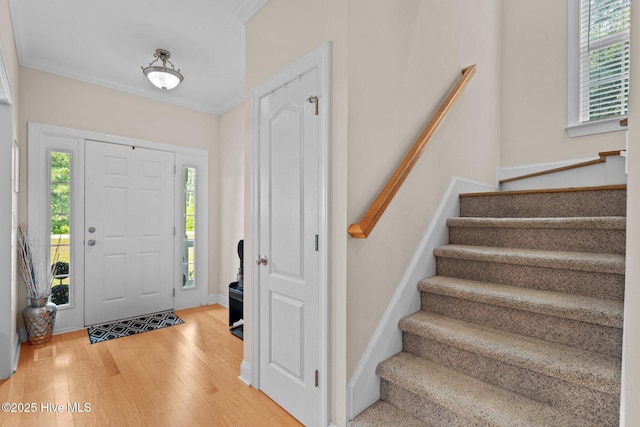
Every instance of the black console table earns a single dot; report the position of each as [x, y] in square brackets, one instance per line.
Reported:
[236, 295]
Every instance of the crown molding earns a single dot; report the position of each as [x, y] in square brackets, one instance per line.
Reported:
[246, 9]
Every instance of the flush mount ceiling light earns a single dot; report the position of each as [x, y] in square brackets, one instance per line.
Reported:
[162, 77]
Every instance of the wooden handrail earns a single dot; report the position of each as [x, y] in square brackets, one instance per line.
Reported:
[369, 220]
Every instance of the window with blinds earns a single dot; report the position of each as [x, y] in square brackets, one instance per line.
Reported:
[604, 59]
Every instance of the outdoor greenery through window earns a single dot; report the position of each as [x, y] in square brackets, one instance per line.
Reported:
[188, 256]
[60, 225]
[604, 58]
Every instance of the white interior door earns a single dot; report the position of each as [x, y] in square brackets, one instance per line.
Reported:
[289, 224]
[129, 235]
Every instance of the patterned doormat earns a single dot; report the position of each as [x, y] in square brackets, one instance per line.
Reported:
[123, 328]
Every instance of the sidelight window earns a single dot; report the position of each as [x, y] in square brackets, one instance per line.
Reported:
[189, 215]
[60, 225]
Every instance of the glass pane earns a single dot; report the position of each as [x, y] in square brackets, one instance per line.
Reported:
[609, 81]
[60, 226]
[188, 256]
[609, 17]
[606, 70]
[190, 271]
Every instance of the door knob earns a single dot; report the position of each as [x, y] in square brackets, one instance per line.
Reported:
[91, 242]
[262, 260]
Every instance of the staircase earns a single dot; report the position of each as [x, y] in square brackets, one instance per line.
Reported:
[522, 324]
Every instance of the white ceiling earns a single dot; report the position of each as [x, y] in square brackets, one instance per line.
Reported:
[106, 43]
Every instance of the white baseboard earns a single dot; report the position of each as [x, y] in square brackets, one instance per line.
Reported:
[245, 373]
[22, 334]
[514, 171]
[363, 388]
[65, 330]
[610, 172]
[221, 299]
[16, 353]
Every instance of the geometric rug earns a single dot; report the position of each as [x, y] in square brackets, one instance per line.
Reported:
[123, 328]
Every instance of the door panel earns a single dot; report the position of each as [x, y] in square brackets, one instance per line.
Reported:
[289, 223]
[129, 202]
[287, 317]
[287, 197]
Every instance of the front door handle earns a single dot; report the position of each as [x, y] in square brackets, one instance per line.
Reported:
[91, 242]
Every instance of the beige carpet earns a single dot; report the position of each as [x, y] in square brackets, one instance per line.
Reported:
[522, 324]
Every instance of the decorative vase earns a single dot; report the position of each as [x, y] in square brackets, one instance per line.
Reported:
[39, 318]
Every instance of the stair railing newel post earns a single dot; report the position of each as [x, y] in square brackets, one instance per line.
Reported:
[40, 315]
[362, 229]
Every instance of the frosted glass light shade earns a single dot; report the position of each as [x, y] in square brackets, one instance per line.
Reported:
[163, 78]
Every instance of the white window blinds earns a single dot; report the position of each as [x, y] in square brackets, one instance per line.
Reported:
[604, 58]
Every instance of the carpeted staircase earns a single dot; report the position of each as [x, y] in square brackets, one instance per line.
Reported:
[522, 324]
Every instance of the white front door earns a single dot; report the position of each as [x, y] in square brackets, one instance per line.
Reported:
[129, 231]
[289, 226]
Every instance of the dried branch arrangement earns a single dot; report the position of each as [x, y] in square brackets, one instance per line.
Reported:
[37, 274]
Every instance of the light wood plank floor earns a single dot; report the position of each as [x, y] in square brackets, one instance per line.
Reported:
[183, 375]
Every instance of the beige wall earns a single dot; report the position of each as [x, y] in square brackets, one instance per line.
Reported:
[403, 59]
[631, 345]
[55, 100]
[534, 87]
[392, 63]
[52, 99]
[231, 191]
[282, 32]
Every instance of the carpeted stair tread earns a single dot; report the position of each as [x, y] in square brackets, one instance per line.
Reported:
[604, 222]
[478, 401]
[588, 369]
[581, 261]
[522, 323]
[581, 234]
[598, 311]
[383, 414]
[559, 202]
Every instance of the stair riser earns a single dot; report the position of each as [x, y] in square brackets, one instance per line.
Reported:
[588, 336]
[550, 205]
[383, 413]
[596, 406]
[599, 285]
[480, 354]
[421, 407]
[575, 240]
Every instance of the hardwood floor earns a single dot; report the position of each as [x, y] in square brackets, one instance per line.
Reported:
[183, 375]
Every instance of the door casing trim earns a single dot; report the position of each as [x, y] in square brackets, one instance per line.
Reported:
[73, 319]
[250, 370]
[9, 341]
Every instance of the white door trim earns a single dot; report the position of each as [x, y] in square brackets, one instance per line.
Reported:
[198, 295]
[72, 318]
[9, 342]
[318, 58]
